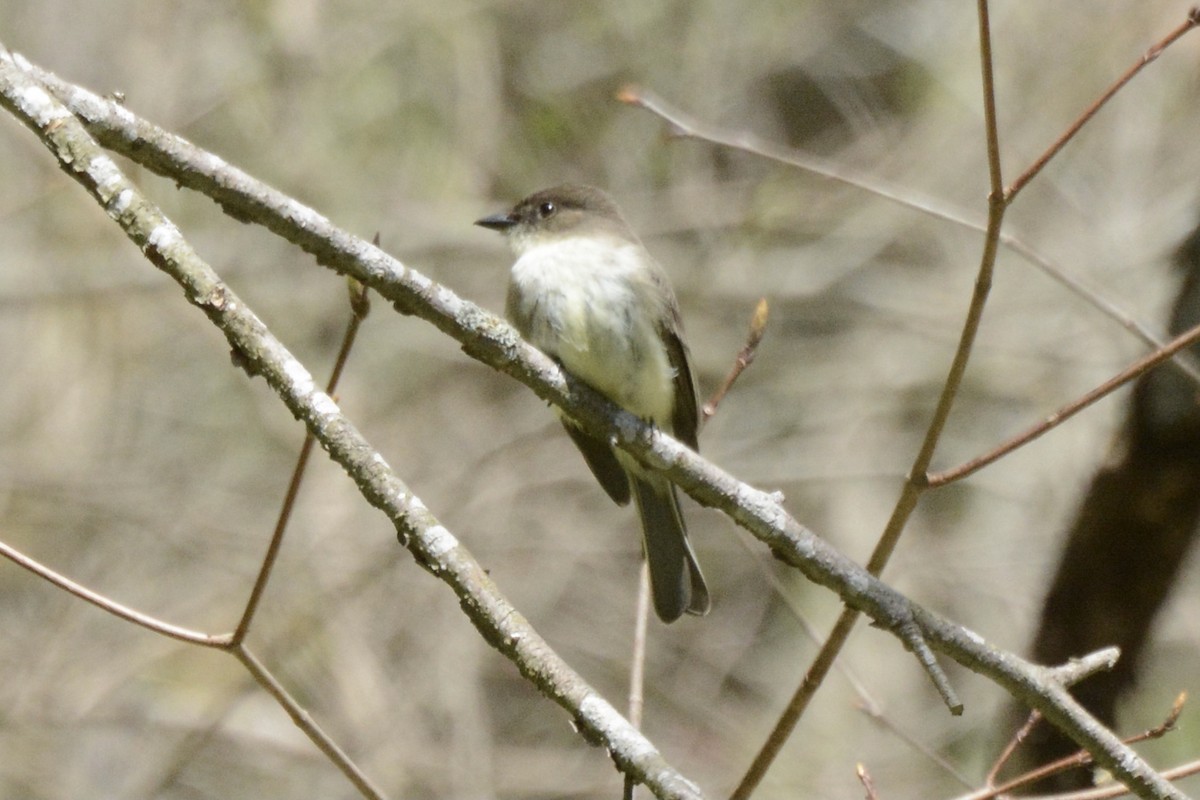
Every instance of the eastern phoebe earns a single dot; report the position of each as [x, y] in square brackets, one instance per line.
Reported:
[586, 292]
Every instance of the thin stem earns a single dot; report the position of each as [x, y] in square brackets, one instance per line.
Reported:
[926, 750]
[111, 606]
[991, 129]
[637, 666]
[359, 306]
[306, 723]
[1138, 368]
[637, 670]
[745, 357]
[1185, 363]
[915, 485]
[1011, 747]
[864, 777]
[1156, 50]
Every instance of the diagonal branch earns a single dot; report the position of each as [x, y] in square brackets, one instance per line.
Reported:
[217, 640]
[1053, 420]
[262, 354]
[1156, 50]
[488, 339]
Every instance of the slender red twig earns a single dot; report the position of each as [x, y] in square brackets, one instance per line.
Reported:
[745, 357]
[217, 640]
[1138, 368]
[1076, 760]
[1156, 50]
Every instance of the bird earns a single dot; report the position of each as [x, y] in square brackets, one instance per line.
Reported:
[586, 292]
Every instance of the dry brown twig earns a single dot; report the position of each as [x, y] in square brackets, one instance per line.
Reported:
[1053, 420]
[744, 358]
[865, 779]
[1011, 747]
[234, 643]
[1073, 761]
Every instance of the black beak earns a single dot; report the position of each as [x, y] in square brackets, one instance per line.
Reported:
[497, 222]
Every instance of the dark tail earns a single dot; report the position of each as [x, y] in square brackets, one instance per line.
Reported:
[675, 577]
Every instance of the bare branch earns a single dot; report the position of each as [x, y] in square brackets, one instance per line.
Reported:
[148, 622]
[1156, 50]
[1132, 372]
[745, 357]
[306, 723]
[1009, 749]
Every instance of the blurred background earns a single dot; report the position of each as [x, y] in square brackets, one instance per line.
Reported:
[134, 459]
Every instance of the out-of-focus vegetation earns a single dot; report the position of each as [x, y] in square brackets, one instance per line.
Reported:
[135, 459]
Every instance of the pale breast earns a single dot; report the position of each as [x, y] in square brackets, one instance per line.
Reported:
[589, 304]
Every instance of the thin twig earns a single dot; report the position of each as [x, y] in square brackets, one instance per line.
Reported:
[1011, 747]
[990, 126]
[1085, 666]
[745, 357]
[637, 661]
[1132, 372]
[1156, 50]
[304, 721]
[864, 778]
[1184, 362]
[217, 640]
[1074, 761]
[360, 306]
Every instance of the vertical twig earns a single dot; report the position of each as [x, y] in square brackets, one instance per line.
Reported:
[916, 483]
[360, 306]
[637, 666]
[637, 672]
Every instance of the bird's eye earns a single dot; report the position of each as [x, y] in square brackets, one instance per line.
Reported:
[547, 209]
